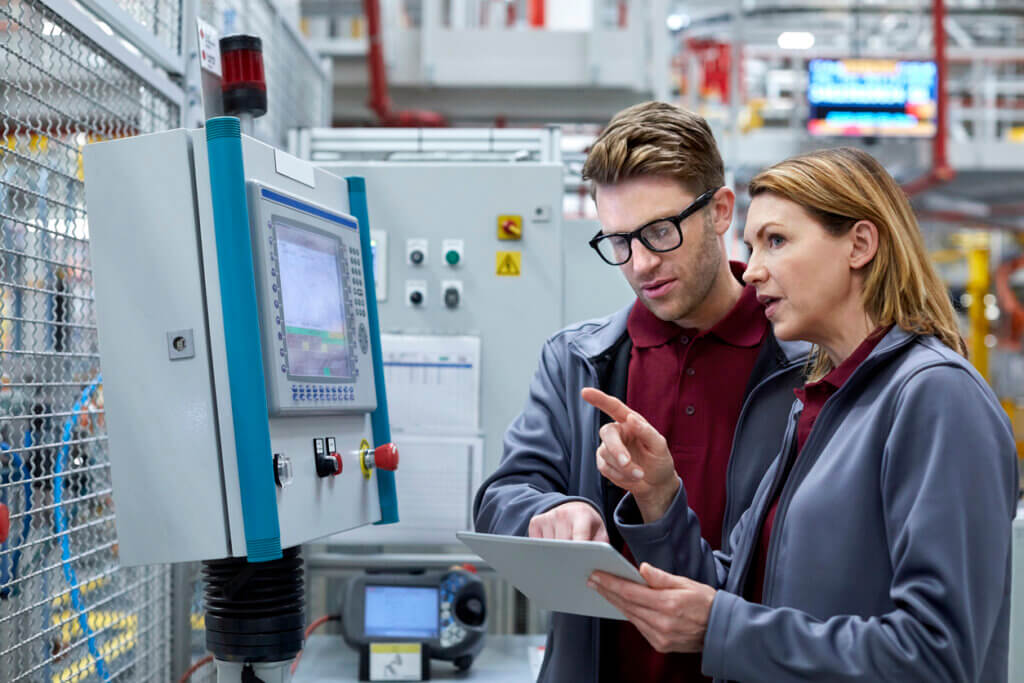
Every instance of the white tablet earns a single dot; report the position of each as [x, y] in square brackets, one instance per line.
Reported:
[554, 573]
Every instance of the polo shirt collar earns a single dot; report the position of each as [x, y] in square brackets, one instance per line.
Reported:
[838, 376]
[744, 325]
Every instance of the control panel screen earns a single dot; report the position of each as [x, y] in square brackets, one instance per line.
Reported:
[311, 295]
[401, 612]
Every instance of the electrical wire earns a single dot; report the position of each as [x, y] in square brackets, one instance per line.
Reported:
[195, 667]
[8, 577]
[309, 631]
[65, 536]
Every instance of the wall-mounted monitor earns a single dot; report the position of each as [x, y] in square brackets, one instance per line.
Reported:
[872, 97]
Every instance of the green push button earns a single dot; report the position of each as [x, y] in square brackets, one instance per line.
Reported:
[452, 257]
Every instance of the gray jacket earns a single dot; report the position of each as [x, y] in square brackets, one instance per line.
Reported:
[889, 558]
[550, 452]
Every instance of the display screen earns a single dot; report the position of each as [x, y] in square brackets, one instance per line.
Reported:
[872, 97]
[314, 306]
[401, 612]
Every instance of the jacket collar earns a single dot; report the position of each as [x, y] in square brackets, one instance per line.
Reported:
[597, 340]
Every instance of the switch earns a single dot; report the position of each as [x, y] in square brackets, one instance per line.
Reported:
[416, 252]
[510, 227]
[386, 457]
[452, 250]
[283, 473]
[451, 293]
[415, 293]
[383, 458]
[328, 463]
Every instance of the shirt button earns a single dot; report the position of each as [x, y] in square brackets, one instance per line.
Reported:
[684, 339]
[690, 410]
[691, 372]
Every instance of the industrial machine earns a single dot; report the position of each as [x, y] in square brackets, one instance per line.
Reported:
[244, 389]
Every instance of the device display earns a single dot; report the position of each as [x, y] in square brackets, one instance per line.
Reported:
[401, 612]
[868, 97]
[444, 610]
[316, 338]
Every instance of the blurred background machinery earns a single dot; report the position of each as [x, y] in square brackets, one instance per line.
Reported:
[482, 112]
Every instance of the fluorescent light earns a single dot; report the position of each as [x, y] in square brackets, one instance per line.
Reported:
[677, 22]
[796, 40]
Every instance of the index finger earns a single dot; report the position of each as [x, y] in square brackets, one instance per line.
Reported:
[609, 405]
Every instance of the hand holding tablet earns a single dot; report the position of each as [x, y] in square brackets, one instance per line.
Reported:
[554, 573]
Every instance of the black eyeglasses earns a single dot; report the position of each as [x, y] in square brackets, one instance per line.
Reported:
[660, 235]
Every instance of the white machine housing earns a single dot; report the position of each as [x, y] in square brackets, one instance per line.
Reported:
[165, 362]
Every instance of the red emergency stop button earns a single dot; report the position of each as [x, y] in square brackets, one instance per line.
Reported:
[5, 523]
[386, 457]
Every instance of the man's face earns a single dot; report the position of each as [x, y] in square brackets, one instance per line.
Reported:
[671, 284]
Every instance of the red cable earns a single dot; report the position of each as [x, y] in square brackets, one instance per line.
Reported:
[1007, 299]
[309, 631]
[195, 667]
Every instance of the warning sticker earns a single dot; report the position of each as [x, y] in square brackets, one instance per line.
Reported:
[508, 263]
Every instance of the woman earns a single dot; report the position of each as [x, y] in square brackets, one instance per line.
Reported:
[877, 547]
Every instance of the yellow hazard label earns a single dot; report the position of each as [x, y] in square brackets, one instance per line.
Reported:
[508, 263]
[395, 648]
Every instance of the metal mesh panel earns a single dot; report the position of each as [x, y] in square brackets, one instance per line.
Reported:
[161, 17]
[297, 90]
[67, 613]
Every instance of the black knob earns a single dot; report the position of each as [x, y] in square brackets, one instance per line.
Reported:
[451, 297]
[471, 611]
[416, 256]
[416, 297]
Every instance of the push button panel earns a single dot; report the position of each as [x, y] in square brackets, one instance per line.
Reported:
[318, 393]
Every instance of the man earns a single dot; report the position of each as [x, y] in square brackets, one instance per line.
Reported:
[690, 354]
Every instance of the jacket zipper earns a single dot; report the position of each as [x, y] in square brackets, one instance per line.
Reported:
[803, 465]
[727, 521]
[787, 451]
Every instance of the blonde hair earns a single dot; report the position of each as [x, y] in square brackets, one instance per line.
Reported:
[656, 139]
[838, 188]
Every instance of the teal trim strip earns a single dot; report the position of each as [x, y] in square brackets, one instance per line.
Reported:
[381, 425]
[242, 339]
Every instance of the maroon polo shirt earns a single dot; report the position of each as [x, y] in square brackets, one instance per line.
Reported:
[813, 396]
[690, 386]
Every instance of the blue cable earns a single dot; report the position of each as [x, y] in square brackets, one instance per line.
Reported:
[10, 575]
[65, 538]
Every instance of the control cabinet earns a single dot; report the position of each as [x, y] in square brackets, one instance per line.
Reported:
[237, 336]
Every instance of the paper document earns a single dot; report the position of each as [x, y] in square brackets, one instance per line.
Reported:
[433, 382]
[554, 573]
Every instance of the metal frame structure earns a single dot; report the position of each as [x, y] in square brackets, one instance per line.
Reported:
[66, 610]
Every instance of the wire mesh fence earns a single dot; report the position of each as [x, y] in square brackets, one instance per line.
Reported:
[67, 612]
[161, 18]
[298, 90]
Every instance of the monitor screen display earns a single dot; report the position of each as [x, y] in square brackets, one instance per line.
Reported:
[313, 302]
[401, 612]
[872, 97]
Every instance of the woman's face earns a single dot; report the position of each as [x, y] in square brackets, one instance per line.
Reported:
[802, 275]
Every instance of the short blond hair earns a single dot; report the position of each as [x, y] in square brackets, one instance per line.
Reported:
[838, 188]
[656, 139]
